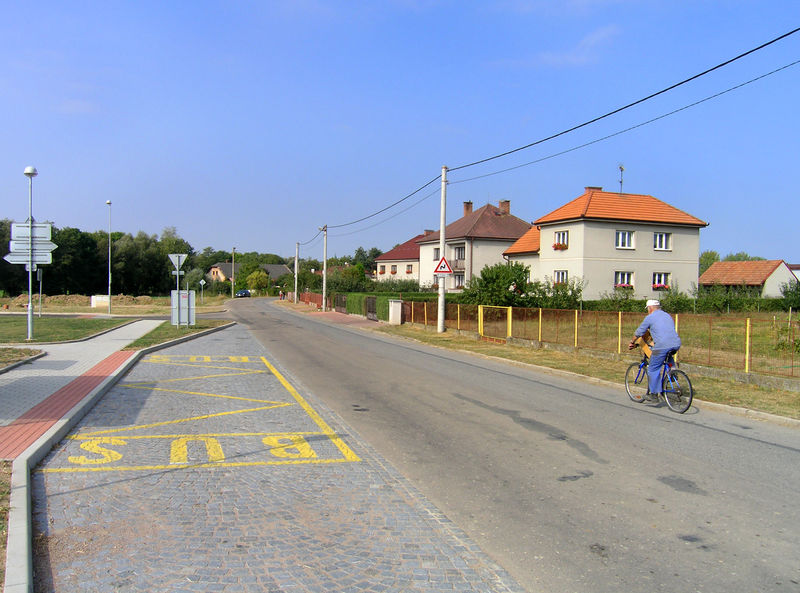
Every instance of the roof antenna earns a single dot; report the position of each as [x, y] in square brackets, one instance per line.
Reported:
[621, 171]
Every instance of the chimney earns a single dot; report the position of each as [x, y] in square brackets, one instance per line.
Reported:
[427, 232]
[593, 188]
[505, 206]
[467, 208]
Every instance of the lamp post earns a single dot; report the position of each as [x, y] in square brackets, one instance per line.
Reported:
[30, 173]
[233, 267]
[108, 203]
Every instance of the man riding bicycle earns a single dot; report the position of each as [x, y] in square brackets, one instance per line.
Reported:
[665, 340]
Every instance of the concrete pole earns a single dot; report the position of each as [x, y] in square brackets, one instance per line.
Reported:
[109, 256]
[233, 267]
[324, 267]
[296, 264]
[442, 278]
[30, 173]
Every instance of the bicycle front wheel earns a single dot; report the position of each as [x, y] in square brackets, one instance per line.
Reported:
[636, 382]
[677, 390]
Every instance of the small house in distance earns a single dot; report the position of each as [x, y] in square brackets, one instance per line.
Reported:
[766, 275]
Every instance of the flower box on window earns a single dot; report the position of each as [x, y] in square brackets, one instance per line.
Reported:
[394, 271]
[409, 271]
[382, 272]
[560, 246]
[660, 286]
[623, 286]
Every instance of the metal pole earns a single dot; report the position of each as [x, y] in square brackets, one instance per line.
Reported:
[178, 290]
[296, 260]
[109, 256]
[30, 173]
[233, 267]
[324, 267]
[440, 323]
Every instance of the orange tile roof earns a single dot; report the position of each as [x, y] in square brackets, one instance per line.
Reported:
[487, 222]
[527, 243]
[406, 251]
[597, 204]
[738, 273]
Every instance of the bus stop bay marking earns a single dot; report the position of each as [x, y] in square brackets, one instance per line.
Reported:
[273, 449]
[107, 446]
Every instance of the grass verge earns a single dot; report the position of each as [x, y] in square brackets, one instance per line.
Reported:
[728, 392]
[167, 332]
[14, 329]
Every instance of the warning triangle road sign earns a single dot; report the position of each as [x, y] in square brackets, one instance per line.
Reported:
[443, 267]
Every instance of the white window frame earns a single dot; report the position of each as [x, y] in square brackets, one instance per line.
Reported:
[625, 240]
[560, 276]
[409, 268]
[393, 269]
[662, 241]
[623, 277]
[561, 237]
[661, 278]
[460, 252]
[436, 256]
[458, 280]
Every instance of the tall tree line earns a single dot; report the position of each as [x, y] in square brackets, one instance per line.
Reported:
[139, 264]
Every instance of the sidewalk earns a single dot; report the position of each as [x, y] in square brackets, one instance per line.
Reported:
[34, 396]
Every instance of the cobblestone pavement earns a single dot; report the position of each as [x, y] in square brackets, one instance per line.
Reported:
[206, 468]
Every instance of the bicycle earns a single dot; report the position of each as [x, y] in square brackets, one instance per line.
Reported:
[676, 388]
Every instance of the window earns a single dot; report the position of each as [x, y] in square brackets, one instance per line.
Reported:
[623, 279]
[560, 240]
[662, 241]
[409, 268]
[560, 277]
[382, 269]
[460, 252]
[661, 280]
[394, 269]
[459, 280]
[436, 255]
[624, 240]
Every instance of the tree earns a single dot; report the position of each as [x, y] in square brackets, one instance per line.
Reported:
[258, 280]
[501, 285]
[742, 256]
[707, 258]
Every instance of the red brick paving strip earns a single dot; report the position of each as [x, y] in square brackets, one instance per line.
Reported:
[20, 434]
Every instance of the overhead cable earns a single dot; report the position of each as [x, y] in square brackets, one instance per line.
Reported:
[629, 105]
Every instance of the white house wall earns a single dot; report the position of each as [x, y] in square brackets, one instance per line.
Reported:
[782, 275]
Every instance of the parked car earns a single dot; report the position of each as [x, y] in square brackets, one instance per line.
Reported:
[242, 293]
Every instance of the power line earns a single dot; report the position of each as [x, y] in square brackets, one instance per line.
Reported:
[574, 148]
[629, 105]
[415, 204]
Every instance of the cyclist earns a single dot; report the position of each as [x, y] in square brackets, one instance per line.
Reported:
[665, 339]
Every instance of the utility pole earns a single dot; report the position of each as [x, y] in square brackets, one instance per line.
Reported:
[233, 267]
[441, 280]
[296, 260]
[30, 173]
[324, 229]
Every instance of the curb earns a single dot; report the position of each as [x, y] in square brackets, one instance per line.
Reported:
[19, 545]
[14, 365]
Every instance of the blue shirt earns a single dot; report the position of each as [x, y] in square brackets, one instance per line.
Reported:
[662, 330]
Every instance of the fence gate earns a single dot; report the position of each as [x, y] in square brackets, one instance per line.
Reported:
[340, 303]
[371, 304]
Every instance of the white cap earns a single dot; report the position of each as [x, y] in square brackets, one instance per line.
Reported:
[652, 303]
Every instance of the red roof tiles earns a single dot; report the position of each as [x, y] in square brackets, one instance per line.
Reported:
[487, 222]
[406, 251]
[597, 204]
[527, 243]
[739, 273]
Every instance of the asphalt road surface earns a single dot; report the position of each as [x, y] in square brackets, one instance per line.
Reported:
[563, 481]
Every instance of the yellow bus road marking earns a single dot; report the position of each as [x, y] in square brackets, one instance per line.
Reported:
[278, 448]
[203, 366]
[192, 378]
[133, 437]
[340, 444]
[247, 399]
[178, 421]
[56, 470]
[197, 358]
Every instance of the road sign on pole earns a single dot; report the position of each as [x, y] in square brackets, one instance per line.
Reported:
[443, 267]
[24, 257]
[39, 245]
[23, 230]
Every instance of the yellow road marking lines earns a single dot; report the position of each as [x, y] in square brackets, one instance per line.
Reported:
[104, 447]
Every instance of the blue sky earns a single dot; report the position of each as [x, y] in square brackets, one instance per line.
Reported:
[251, 124]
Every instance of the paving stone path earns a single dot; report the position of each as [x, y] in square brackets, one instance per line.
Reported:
[206, 468]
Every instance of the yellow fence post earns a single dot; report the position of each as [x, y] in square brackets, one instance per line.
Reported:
[509, 315]
[619, 332]
[480, 320]
[425, 311]
[576, 328]
[540, 325]
[747, 348]
[675, 356]
[458, 317]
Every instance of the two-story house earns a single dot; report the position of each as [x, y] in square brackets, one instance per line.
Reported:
[400, 263]
[472, 242]
[614, 240]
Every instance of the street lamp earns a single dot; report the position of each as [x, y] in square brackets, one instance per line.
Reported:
[233, 267]
[30, 173]
[108, 203]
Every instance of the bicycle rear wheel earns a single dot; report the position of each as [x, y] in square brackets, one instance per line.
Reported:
[677, 390]
[636, 382]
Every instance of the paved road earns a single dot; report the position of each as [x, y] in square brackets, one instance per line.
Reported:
[565, 483]
[208, 467]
